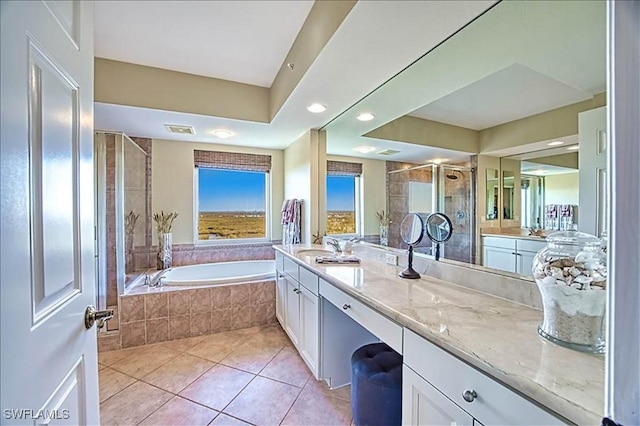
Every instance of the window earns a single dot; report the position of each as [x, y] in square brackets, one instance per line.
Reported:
[232, 195]
[343, 195]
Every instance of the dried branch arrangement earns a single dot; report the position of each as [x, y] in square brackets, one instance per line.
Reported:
[164, 221]
[130, 221]
[383, 218]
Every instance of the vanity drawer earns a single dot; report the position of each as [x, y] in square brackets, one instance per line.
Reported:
[379, 325]
[309, 280]
[531, 245]
[290, 268]
[508, 243]
[494, 403]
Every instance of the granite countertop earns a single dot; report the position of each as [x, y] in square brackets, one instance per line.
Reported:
[517, 236]
[497, 336]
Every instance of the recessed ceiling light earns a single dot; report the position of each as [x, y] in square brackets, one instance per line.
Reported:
[222, 134]
[365, 116]
[316, 108]
[538, 172]
[573, 148]
[181, 130]
[556, 143]
[364, 149]
[438, 160]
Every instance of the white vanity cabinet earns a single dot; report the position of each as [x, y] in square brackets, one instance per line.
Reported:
[439, 389]
[422, 404]
[298, 309]
[510, 254]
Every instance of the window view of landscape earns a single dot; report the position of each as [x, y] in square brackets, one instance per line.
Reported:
[341, 205]
[231, 204]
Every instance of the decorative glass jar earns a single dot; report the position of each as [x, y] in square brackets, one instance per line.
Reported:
[571, 274]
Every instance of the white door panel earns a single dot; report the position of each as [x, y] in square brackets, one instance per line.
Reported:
[49, 359]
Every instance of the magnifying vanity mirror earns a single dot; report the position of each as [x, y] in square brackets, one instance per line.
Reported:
[439, 230]
[411, 232]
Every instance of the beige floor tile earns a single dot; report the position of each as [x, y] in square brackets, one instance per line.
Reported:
[217, 387]
[287, 367]
[144, 360]
[320, 387]
[182, 345]
[263, 402]
[215, 347]
[111, 357]
[179, 411]
[178, 373]
[272, 336]
[318, 409]
[225, 420]
[250, 358]
[111, 382]
[132, 405]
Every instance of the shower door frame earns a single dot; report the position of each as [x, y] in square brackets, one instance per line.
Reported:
[439, 201]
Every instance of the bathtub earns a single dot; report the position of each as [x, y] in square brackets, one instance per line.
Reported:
[211, 274]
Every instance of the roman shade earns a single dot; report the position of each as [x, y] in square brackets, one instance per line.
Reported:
[342, 168]
[232, 161]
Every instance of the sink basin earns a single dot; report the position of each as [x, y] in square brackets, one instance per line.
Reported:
[314, 252]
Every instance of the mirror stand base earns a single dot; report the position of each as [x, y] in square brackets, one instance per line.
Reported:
[409, 273]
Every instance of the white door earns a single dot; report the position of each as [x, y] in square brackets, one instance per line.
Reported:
[592, 191]
[292, 309]
[422, 404]
[309, 313]
[280, 299]
[49, 359]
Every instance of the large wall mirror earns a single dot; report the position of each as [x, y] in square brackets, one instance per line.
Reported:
[520, 80]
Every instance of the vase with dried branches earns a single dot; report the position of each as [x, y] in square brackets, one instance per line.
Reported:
[384, 220]
[164, 222]
[129, 232]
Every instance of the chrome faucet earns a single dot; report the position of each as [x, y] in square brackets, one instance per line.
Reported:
[154, 281]
[333, 243]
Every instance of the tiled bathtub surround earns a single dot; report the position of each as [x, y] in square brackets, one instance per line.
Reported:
[167, 313]
[192, 254]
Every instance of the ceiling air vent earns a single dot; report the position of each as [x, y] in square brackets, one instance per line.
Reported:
[388, 152]
[181, 130]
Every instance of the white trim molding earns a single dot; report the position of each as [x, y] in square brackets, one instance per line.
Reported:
[622, 394]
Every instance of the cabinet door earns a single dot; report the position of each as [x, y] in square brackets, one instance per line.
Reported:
[292, 310]
[309, 313]
[422, 404]
[280, 298]
[525, 262]
[499, 258]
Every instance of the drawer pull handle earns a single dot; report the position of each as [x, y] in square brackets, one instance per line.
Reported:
[469, 395]
[297, 291]
[346, 306]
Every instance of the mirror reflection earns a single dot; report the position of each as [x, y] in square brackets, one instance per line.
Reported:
[449, 121]
[493, 186]
[508, 194]
[412, 229]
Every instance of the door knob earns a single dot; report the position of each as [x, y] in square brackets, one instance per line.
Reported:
[91, 316]
[346, 306]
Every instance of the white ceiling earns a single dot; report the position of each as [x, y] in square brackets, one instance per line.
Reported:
[539, 169]
[539, 47]
[243, 41]
[376, 40]
[509, 94]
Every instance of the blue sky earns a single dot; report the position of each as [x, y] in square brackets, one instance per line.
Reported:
[341, 193]
[230, 190]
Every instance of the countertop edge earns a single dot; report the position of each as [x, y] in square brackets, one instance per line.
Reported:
[572, 413]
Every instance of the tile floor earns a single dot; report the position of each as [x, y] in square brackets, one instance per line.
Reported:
[250, 376]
